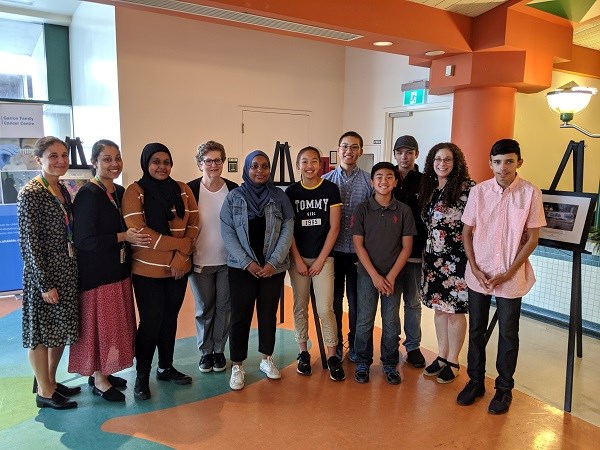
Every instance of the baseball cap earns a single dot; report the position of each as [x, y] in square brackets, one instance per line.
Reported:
[406, 141]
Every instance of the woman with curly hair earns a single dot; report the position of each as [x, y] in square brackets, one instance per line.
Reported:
[442, 199]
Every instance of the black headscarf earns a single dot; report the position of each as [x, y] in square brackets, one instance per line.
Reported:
[159, 195]
[257, 196]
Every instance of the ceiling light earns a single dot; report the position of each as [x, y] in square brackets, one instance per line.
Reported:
[382, 43]
[435, 53]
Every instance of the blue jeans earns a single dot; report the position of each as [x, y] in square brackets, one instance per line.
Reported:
[408, 282]
[509, 312]
[365, 322]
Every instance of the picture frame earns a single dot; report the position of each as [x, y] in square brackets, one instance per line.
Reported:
[569, 217]
[333, 157]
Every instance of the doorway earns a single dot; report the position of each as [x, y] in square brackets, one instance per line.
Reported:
[429, 126]
[262, 128]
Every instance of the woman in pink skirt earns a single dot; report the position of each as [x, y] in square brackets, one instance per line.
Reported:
[107, 318]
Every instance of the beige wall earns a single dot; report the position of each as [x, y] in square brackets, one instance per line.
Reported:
[373, 88]
[543, 142]
[182, 82]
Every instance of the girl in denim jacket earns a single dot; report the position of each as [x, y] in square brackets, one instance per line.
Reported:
[257, 225]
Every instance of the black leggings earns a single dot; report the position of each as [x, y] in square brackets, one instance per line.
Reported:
[159, 301]
[245, 290]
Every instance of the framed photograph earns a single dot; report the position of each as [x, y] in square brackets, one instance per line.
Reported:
[568, 216]
[333, 157]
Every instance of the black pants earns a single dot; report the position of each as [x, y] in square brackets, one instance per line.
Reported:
[509, 312]
[245, 290]
[345, 279]
[159, 301]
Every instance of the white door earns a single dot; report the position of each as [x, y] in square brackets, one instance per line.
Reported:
[428, 126]
[262, 129]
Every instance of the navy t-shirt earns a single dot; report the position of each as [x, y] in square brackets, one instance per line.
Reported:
[311, 208]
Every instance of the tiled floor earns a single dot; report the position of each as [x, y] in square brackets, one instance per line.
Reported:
[310, 412]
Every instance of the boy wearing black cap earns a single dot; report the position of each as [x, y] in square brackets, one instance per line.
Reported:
[406, 151]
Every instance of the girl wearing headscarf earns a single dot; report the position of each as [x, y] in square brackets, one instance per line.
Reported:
[257, 225]
[166, 210]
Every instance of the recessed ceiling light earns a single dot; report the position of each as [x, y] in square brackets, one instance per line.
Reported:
[382, 44]
[435, 53]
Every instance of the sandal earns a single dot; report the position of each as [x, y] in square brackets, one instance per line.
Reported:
[435, 367]
[447, 374]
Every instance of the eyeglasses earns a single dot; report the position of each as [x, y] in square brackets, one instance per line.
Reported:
[353, 147]
[438, 160]
[210, 162]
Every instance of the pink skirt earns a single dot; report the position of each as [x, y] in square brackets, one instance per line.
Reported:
[106, 330]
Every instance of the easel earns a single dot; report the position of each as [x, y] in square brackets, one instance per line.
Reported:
[283, 156]
[75, 149]
[575, 316]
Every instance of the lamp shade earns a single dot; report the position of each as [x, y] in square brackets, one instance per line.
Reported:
[569, 99]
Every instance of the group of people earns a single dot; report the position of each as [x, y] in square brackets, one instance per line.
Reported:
[433, 238]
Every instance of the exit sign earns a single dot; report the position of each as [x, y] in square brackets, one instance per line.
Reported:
[415, 97]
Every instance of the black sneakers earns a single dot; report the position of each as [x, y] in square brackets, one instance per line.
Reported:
[206, 363]
[173, 375]
[470, 393]
[142, 387]
[501, 402]
[361, 375]
[219, 362]
[304, 363]
[336, 372]
[415, 358]
[391, 374]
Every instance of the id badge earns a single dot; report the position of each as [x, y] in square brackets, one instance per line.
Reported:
[122, 255]
[428, 245]
[71, 249]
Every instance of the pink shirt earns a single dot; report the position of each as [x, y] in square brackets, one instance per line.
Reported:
[500, 218]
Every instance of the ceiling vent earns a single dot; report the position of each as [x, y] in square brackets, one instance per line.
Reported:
[241, 17]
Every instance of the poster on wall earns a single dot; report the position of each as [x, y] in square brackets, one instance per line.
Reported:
[17, 167]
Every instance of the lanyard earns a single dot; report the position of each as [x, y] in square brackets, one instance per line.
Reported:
[114, 199]
[68, 218]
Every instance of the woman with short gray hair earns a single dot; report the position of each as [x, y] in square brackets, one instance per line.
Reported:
[208, 280]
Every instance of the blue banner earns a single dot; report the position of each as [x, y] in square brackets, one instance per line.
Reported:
[12, 265]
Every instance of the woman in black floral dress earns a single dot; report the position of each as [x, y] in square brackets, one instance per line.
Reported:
[49, 272]
[442, 198]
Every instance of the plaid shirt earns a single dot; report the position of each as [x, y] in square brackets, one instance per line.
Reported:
[355, 188]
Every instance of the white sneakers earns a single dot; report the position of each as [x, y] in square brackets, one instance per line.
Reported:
[236, 382]
[267, 366]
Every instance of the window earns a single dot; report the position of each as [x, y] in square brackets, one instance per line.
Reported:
[22, 61]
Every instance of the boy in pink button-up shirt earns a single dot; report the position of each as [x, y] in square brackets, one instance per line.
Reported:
[502, 220]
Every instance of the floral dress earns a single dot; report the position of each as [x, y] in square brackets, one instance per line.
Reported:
[443, 285]
[46, 265]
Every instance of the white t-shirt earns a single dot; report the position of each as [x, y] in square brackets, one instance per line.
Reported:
[210, 249]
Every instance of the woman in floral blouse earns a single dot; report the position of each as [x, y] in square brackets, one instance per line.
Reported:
[442, 198]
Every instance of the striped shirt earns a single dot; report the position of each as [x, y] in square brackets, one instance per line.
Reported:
[355, 188]
[156, 259]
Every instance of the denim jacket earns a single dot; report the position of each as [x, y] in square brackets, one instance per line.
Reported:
[234, 230]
